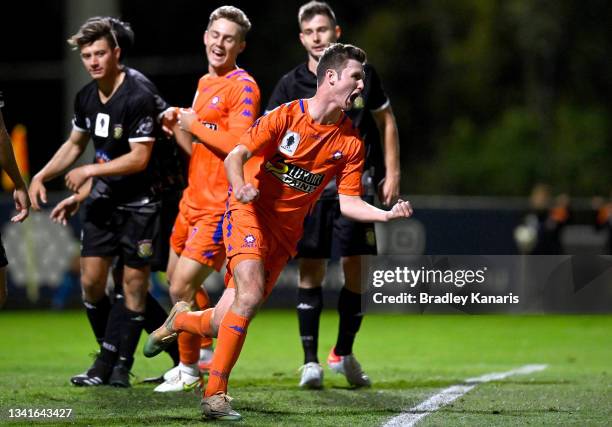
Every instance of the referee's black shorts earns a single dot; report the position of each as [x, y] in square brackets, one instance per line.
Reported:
[128, 232]
[3, 260]
[328, 234]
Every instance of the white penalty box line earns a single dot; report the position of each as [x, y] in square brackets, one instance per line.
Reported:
[452, 393]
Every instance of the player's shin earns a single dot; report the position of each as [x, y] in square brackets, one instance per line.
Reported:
[232, 333]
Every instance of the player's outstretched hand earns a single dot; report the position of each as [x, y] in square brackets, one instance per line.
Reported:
[402, 209]
[186, 117]
[37, 192]
[22, 204]
[76, 178]
[64, 210]
[247, 193]
[169, 119]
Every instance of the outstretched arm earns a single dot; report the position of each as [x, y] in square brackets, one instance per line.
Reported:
[65, 156]
[130, 163]
[355, 208]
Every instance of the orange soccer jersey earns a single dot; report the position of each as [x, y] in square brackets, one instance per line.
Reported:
[293, 160]
[226, 106]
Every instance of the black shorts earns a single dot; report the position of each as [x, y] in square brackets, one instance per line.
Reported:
[169, 211]
[328, 234]
[130, 233]
[3, 260]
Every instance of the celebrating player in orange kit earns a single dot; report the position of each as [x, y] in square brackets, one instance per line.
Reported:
[297, 149]
[225, 105]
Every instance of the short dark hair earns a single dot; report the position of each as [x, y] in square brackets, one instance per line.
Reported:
[313, 8]
[94, 29]
[233, 14]
[335, 58]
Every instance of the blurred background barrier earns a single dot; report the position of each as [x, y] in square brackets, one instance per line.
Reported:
[43, 257]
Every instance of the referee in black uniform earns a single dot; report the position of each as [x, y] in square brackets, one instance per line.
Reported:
[121, 215]
[326, 228]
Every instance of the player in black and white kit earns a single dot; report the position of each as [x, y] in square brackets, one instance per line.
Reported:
[122, 213]
[168, 167]
[326, 228]
[20, 194]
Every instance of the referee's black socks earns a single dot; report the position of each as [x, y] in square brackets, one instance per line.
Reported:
[349, 309]
[97, 313]
[309, 306]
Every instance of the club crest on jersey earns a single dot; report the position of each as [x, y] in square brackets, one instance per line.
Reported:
[294, 176]
[290, 143]
[215, 100]
[337, 155]
[102, 125]
[117, 131]
[146, 126]
[145, 248]
[249, 241]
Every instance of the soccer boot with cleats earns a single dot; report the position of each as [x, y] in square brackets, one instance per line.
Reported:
[181, 381]
[97, 375]
[163, 336]
[217, 407]
[349, 367]
[120, 377]
[312, 376]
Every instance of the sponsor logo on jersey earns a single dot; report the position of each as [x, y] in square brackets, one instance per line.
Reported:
[294, 176]
[102, 125]
[102, 157]
[211, 126]
[290, 143]
[145, 248]
[145, 127]
[117, 131]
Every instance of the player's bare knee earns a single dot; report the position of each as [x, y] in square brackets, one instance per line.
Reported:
[135, 288]
[135, 296]
[312, 273]
[180, 292]
[246, 303]
[351, 267]
[93, 288]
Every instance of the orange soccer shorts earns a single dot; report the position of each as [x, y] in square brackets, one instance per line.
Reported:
[198, 236]
[246, 238]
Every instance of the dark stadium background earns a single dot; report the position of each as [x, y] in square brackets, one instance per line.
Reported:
[491, 96]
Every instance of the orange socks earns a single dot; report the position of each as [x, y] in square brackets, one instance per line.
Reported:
[195, 322]
[202, 303]
[232, 333]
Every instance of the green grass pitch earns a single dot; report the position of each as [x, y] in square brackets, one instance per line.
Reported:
[408, 357]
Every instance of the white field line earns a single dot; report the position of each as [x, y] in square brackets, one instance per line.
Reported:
[450, 394]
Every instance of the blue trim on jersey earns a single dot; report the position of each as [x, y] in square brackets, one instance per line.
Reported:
[302, 105]
[218, 234]
[234, 73]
